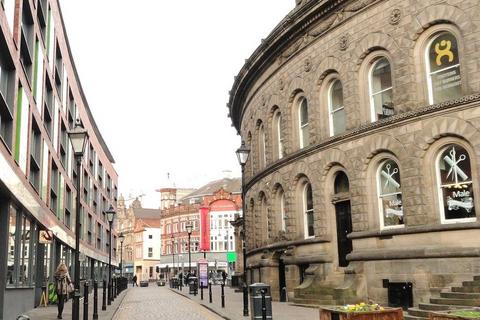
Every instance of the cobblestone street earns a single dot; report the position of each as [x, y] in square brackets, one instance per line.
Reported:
[160, 303]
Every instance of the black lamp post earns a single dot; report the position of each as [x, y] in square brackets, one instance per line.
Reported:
[121, 237]
[242, 154]
[189, 228]
[172, 238]
[110, 216]
[78, 137]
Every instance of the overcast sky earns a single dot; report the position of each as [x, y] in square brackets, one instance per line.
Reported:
[157, 73]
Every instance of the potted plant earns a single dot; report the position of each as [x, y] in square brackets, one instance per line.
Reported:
[360, 311]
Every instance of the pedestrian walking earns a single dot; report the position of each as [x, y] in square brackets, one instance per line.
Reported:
[134, 281]
[63, 286]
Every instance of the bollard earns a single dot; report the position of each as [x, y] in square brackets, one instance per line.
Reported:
[195, 289]
[85, 301]
[201, 291]
[109, 292]
[264, 305]
[114, 288]
[95, 300]
[223, 295]
[104, 298]
[210, 291]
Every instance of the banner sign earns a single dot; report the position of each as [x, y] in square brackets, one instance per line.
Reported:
[204, 229]
[203, 272]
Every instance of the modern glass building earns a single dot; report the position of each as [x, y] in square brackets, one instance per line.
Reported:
[40, 98]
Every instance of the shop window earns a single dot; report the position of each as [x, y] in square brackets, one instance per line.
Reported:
[443, 68]
[336, 108]
[13, 240]
[308, 211]
[455, 184]
[389, 193]
[380, 81]
[303, 122]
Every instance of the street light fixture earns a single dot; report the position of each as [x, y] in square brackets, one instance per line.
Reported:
[121, 237]
[110, 216]
[78, 137]
[242, 154]
[189, 228]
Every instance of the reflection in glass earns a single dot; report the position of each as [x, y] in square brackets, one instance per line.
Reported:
[381, 90]
[12, 246]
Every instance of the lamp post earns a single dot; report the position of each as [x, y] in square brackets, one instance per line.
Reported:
[242, 154]
[189, 228]
[121, 237]
[78, 137]
[172, 238]
[110, 216]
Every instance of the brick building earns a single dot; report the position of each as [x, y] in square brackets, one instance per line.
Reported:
[362, 117]
[40, 98]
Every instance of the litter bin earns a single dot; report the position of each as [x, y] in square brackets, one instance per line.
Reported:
[260, 297]
[192, 285]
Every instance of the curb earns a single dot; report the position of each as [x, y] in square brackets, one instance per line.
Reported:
[121, 301]
[201, 304]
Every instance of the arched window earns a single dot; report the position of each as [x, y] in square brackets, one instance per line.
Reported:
[443, 68]
[380, 83]
[308, 210]
[281, 209]
[261, 146]
[336, 109]
[264, 216]
[455, 184]
[277, 132]
[389, 193]
[249, 144]
[303, 122]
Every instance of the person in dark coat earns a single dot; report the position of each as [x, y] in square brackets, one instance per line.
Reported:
[134, 281]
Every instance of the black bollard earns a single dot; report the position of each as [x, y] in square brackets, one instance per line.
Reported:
[85, 301]
[264, 305]
[114, 288]
[210, 292]
[109, 293]
[95, 300]
[104, 298]
[201, 291]
[195, 288]
[223, 295]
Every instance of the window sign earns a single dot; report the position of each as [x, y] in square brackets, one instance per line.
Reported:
[455, 183]
[390, 194]
[444, 68]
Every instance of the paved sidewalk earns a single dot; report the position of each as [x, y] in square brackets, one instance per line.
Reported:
[234, 305]
[50, 312]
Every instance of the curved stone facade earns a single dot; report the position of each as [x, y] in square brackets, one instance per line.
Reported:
[422, 232]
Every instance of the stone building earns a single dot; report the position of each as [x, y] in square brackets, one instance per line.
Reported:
[362, 118]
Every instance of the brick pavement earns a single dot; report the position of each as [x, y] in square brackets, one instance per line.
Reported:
[234, 305]
[50, 312]
[160, 303]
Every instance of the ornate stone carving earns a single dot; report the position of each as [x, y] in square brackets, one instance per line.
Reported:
[395, 16]
[343, 43]
[307, 65]
[281, 83]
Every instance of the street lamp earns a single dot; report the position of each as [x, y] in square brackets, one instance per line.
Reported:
[172, 238]
[110, 216]
[189, 228]
[121, 237]
[78, 137]
[242, 154]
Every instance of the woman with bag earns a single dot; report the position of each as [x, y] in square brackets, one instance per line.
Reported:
[63, 285]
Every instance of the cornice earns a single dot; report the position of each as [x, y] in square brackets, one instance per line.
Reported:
[363, 130]
[288, 37]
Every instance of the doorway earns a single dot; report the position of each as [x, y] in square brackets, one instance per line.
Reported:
[341, 200]
[282, 283]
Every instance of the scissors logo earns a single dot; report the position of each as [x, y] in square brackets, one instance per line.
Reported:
[389, 177]
[453, 162]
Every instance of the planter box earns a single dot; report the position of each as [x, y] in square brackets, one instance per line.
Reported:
[334, 313]
[143, 283]
[448, 315]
